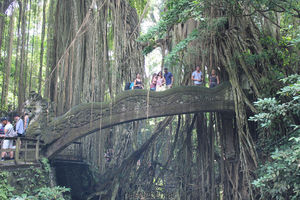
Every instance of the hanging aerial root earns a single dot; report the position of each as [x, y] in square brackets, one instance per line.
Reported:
[111, 178]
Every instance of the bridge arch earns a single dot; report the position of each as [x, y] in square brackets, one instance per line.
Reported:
[133, 105]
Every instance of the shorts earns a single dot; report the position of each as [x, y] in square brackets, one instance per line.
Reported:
[213, 84]
[198, 84]
[160, 88]
[8, 144]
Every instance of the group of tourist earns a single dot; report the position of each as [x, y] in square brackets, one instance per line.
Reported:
[160, 81]
[197, 78]
[8, 130]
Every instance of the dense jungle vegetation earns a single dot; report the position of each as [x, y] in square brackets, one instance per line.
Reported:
[80, 51]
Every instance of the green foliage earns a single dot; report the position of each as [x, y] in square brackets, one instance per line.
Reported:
[289, 7]
[45, 193]
[177, 11]
[274, 110]
[279, 177]
[30, 184]
[46, 165]
[5, 189]
[139, 5]
[173, 56]
[278, 58]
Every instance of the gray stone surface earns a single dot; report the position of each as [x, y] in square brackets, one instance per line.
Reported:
[130, 106]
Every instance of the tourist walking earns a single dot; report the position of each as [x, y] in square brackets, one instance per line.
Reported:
[197, 76]
[160, 82]
[213, 79]
[138, 82]
[169, 78]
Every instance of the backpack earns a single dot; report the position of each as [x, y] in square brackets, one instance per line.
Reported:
[2, 130]
[11, 133]
[131, 85]
[127, 86]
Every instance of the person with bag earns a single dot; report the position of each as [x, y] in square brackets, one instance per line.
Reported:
[8, 144]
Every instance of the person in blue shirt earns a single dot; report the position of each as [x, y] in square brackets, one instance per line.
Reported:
[19, 125]
[197, 76]
[169, 78]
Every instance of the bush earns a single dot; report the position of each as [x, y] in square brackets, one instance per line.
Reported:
[279, 178]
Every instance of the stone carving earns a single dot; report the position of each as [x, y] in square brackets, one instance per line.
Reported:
[131, 106]
[40, 113]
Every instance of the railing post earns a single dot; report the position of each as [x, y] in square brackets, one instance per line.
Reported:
[17, 156]
[37, 150]
[80, 152]
[26, 147]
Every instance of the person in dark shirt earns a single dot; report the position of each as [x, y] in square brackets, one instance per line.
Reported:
[213, 79]
[169, 78]
[138, 84]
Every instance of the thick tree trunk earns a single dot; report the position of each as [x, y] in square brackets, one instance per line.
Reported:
[17, 56]
[27, 52]
[42, 47]
[2, 23]
[6, 81]
[21, 89]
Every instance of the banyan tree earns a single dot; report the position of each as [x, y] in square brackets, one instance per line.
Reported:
[89, 49]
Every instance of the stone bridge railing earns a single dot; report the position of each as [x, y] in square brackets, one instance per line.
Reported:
[131, 106]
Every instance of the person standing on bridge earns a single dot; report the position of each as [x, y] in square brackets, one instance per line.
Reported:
[169, 78]
[19, 126]
[26, 122]
[160, 82]
[2, 125]
[8, 144]
[197, 76]
[138, 84]
[153, 82]
[213, 79]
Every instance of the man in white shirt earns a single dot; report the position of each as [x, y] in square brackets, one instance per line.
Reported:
[197, 76]
[8, 144]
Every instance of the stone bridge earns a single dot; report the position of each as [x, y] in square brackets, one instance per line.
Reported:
[131, 106]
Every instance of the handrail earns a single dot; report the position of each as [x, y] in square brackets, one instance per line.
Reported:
[22, 139]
